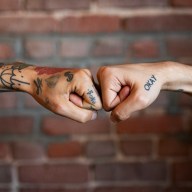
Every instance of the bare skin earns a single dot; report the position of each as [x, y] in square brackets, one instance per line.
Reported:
[67, 92]
[132, 87]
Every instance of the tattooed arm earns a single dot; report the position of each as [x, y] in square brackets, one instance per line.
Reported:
[67, 92]
[132, 87]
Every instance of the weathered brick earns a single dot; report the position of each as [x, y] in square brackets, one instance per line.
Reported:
[39, 49]
[129, 189]
[65, 4]
[54, 125]
[74, 48]
[5, 173]
[66, 149]
[35, 5]
[144, 48]
[53, 173]
[131, 3]
[182, 171]
[55, 189]
[151, 124]
[96, 149]
[179, 47]
[5, 151]
[181, 3]
[8, 100]
[91, 24]
[108, 47]
[6, 51]
[27, 150]
[16, 125]
[158, 23]
[131, 171]
[172, 147]
[28, 24]
[136, 147]
[7, 5]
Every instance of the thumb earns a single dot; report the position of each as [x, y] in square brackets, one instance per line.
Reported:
[132, 103]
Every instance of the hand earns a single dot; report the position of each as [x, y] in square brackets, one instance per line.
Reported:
[129, 88]
[67, 92]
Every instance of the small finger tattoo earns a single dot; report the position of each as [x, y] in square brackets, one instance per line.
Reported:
[91, 97]
[150, 82]
[69, 76]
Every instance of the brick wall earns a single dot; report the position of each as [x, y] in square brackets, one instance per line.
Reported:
[42, 152]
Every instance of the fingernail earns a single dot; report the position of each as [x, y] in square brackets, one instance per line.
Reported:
[94, 116]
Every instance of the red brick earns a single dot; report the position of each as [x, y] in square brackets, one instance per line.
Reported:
[27, 150]
[53, 173]
[185, 100]
[182, 172]
[74, 48]
[129, 189]
[66, 149]
[55, 189]
[5, 151]
[179, 189]
[172, 147]
[144, 48]
[150, 171]
[131, 3]
[181, 3]
[179, 47]
[8, 100]
[108, 47]
[158, 23]
[28, 24]
[5, 173]
[6, 51]
[91, 24]
[136, 147]
[59, 126]
[39, 49]
[66, 4]
[35, 5]
[16, 125]
[151, 124]
[96, 149]
[6, 5]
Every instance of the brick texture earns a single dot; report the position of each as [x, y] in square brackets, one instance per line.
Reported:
[43, 152]
[70, 173]
[61, 126]
[66, 149]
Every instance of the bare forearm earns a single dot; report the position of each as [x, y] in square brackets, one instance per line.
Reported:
[178, 77]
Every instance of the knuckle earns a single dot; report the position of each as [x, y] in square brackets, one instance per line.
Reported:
[120, 116]
[105, 71]
[142, 100]
[86, 72]
[106, 106]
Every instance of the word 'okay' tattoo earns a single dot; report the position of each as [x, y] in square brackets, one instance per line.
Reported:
[8, 76]
[38, 84]
[52, 81]
[69, 76]
[150, 82]
[91, 97]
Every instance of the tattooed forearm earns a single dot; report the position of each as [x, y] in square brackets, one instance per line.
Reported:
[91, 97]
[150, 82]
[52, 81]
[38, 84]
[11, 76]
[69, 76]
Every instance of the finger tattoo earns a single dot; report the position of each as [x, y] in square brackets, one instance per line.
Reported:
[91, 96]
[150, 83]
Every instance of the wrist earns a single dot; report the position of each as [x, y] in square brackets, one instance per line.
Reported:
[176, 77]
